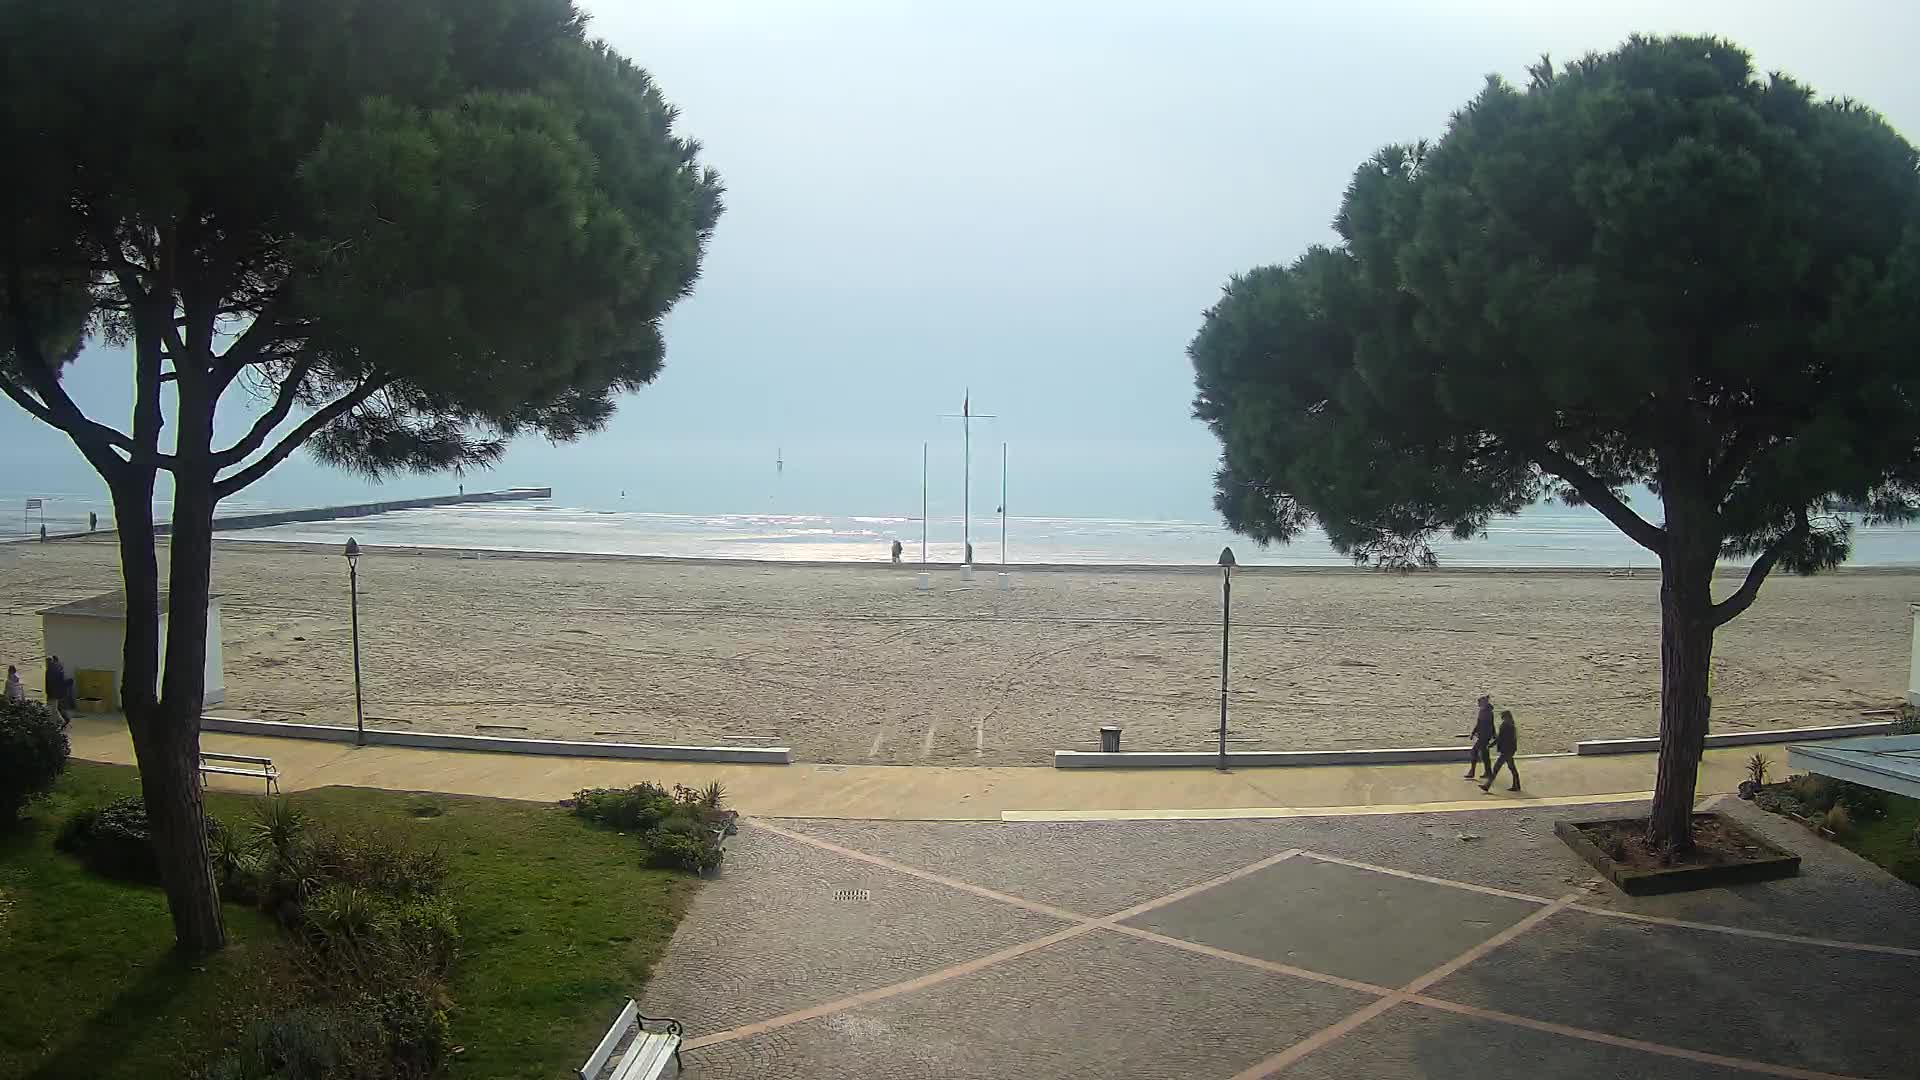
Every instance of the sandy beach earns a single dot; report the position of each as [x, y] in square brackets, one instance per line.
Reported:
[851, 664]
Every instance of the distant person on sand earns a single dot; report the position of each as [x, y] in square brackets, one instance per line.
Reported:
[1508, 740]
[1482, 739]
[15, 692]
[896, 551]
[93, 521]
[58, 688]
[969, 553]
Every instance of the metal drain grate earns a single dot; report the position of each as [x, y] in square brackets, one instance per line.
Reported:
[850, 895]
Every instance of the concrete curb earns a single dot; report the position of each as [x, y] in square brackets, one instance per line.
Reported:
[1651, 743]
[734, 755]
[1182, 759]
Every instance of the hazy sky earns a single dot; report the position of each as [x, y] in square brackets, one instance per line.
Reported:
[1034, 200]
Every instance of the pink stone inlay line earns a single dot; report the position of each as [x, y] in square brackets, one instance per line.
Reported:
[1389, 999]
[923, 875]
[1339, 1029]
[1744, 1064]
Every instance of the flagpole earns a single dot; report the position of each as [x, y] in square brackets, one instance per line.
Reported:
[923, 504]
[1003, 504]
[966, 418]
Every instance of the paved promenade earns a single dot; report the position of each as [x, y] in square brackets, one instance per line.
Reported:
[956, 793]
[1390, 947]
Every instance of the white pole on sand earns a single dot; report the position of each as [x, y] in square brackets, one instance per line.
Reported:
[1004, 581]
[923, 580]
[966, 419]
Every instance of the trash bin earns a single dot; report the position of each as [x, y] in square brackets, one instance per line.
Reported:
[1110, 739]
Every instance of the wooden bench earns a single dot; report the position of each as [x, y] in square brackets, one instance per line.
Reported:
[630, 1051]
[257, 768]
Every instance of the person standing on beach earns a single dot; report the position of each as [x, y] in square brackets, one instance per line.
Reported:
[896, 552]
[1482, 738]
[15, 692]
[1506, 741]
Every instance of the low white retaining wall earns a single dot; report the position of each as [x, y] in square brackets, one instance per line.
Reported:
[1650, 743]
[736, 755]
[1184, 759]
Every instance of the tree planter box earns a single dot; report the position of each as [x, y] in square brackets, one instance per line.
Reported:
[1761, 861]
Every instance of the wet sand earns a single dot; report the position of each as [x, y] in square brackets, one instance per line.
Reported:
[851, 664]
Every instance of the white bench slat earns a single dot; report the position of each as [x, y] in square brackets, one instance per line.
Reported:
[649, 1057]
[248, 758]
[263, 768]
[610, 1042]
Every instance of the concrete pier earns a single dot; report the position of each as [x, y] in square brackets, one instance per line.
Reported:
[331, 513]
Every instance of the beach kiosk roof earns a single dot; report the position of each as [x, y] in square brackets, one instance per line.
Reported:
[1888, 762]
[111, 605]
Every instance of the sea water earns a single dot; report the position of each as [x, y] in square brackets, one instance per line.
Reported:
[1542, 536]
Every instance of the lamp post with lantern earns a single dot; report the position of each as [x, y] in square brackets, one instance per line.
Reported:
[1226, 629]
[353, 591]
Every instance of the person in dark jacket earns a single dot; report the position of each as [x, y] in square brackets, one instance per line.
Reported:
[59, 688]
[1482, 738]
[1507, 740]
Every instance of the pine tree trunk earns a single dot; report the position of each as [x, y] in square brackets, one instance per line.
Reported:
[174, 804]
[1686, 656]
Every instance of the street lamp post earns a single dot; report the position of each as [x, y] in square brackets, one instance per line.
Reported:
[353, 591]
[1226, 640]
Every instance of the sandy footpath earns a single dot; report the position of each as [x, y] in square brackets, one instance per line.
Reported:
[850, 664]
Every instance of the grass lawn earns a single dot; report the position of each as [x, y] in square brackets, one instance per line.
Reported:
[1889, 841]
[560, 924]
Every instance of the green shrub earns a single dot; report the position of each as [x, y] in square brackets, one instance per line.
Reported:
[400, 1033]
[413, 1030]
[115, 841]
[637, 808]
[1863, 803]
[678, 851]
[1838, 820]
[278, 826]
[1815, 793]
[33, 754]
[679, 830]
[302, 1044]
[237, 867]
[342, 916]
[429, 930]
[112, 840]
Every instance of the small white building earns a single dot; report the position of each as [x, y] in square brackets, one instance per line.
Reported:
[1913, 667]
[89, 637]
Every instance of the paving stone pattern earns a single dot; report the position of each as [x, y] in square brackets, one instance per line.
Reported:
[774, 936]
[1421, 1044]
[771, 936]
[1339, 920]
[1804, 1005]
[1094, 1007]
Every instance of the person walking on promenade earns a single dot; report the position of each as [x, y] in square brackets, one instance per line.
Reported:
[1482, 738]
[1506, 741]
[57, 686]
